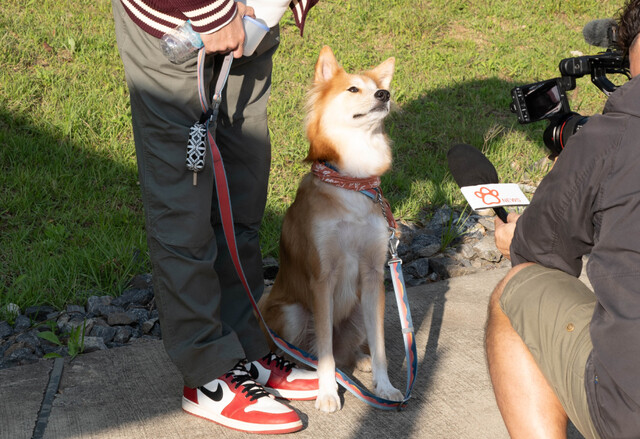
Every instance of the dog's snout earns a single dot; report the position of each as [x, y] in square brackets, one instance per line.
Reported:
[382, 95]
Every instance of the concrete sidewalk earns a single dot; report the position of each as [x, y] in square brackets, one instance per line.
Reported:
[135, 391]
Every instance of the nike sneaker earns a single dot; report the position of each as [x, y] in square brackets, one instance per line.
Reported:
[283, 378]
[236, 401]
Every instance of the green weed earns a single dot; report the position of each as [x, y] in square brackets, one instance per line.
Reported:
[74, 340]
[454, 229]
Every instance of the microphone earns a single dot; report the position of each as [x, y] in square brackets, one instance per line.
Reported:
[469, 167]
[601, 33]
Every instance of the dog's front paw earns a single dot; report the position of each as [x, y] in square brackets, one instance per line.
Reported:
[328, 402]
[390, 393]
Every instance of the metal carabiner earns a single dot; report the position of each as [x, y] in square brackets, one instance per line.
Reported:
[393, 244]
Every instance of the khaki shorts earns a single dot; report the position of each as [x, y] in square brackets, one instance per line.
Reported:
[551, 311]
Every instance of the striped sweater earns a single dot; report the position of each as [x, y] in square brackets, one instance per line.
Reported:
[157, 17]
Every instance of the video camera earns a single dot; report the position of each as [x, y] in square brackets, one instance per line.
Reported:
[548, 99]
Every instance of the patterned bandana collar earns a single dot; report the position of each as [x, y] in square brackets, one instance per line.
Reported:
[330, 175]
[367, 186]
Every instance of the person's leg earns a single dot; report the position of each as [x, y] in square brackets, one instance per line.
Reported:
[182, 243]
[527, 402]
[538, 344]
[242, 136]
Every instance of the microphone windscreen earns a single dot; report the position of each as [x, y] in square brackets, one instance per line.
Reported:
[599, 32]
[469, 167]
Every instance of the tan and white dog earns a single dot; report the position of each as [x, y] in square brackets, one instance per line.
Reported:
[329, 291]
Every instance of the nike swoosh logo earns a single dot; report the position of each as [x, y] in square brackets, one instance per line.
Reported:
[253, 371]
[216, 395]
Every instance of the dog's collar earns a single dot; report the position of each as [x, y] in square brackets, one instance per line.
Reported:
[367, 186]
[329, 174]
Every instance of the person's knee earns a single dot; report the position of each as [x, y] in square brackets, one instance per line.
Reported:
[498, 323]
[499, 289]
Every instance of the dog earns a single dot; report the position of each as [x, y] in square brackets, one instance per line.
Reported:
[329, 291]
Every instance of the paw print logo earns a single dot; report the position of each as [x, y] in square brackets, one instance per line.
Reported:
[488, 196]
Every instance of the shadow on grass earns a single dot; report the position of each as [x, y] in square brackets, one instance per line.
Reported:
[71, 221]
[474, 112]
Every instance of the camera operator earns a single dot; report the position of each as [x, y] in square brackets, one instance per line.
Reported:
[556, 350]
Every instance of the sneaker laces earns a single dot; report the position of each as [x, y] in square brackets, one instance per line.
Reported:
[240, 377]
[280, 362]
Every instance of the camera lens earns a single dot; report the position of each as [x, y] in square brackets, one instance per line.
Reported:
[560, 129]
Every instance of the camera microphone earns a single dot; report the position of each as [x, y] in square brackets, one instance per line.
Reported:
[601, 33]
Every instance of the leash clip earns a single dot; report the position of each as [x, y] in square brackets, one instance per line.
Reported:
[393, 246]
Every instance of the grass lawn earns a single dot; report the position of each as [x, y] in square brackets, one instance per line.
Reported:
[71, 219]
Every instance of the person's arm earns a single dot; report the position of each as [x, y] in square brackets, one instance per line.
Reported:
[219, 23]
[557, 229]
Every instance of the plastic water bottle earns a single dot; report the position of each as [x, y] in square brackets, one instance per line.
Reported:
[181, 44]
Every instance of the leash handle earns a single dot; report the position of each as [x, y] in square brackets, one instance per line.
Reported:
[211, 112]
[226, 215]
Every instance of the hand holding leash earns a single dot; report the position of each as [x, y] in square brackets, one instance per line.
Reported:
[229, 38]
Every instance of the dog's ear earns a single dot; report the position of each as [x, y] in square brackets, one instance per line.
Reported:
[384, 73]
[327, 66]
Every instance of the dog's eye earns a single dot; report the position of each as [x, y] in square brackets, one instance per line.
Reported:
[353, 89]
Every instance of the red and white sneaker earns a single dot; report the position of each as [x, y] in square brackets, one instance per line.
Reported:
[236, 401]
[283, 378]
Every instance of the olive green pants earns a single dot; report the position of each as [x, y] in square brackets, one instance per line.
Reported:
[206, 319]
[551, 311]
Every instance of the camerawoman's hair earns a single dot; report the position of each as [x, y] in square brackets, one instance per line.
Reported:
[629, 25]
